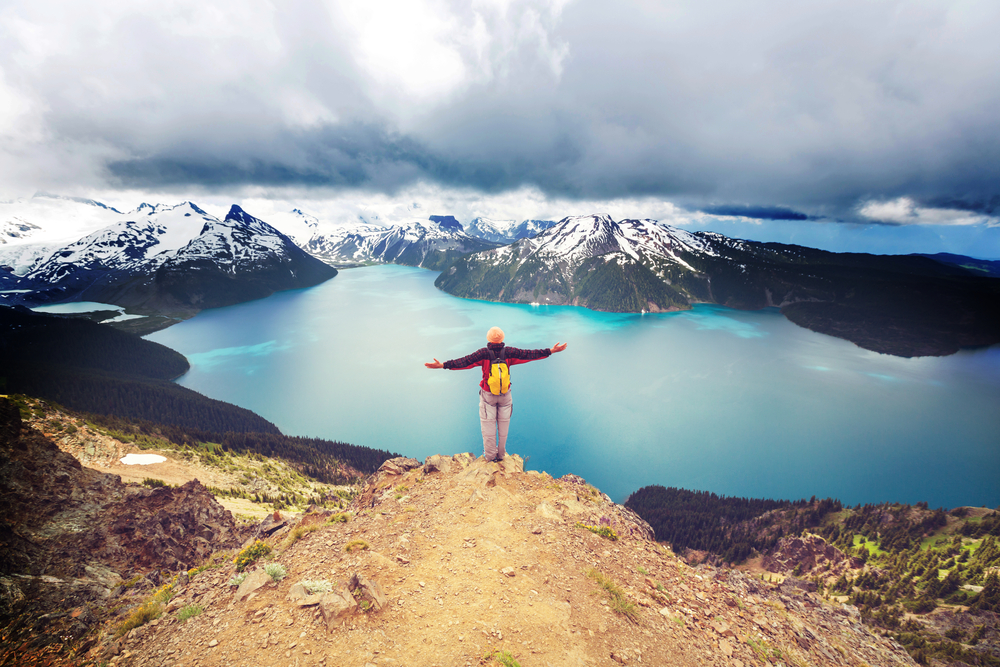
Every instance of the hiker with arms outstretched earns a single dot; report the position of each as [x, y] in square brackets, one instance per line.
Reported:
[495, 402]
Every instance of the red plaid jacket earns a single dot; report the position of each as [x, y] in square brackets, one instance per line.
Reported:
[481, 357]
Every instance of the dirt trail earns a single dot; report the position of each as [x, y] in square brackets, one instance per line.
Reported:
[475, 557]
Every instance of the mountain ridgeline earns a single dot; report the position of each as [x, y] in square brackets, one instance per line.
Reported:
[901, 305]
[172, 261]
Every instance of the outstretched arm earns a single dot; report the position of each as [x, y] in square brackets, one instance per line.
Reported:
[558, 347]
[438, 364]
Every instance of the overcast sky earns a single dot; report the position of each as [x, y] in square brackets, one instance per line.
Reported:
[808, 113]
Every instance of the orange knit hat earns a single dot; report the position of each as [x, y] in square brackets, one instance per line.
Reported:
[495, 335]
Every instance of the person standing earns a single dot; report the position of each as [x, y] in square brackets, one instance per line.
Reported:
[495, 401]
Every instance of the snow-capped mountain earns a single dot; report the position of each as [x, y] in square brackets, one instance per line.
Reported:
[561, 265]
[425, 243]
[506, 231]
[902, 305]
[628, 265]
[173, 257]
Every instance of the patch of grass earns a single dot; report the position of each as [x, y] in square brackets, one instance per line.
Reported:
[764, 650]
[154, 483]
[142, 615]
[189, 612]
[619, 602]
[355, 544]
[604, 531]
[276, 571]
[163, 593]
[296, 534]
[641, 570]
[250, 555]
[402, 489]
[340, 517]
[871, 545]
[496, 657]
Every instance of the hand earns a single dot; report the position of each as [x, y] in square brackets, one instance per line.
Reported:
[558, 347]
[438, 364]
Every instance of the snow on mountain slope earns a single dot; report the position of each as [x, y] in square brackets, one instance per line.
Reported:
[57, 220]
[178, 257]
[574, 239]
[595, 261]
[124, 246]
[16, 230]
[414, 243]
[506, 231]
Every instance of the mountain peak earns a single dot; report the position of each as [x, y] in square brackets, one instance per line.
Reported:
[448, 222]
[237, 213]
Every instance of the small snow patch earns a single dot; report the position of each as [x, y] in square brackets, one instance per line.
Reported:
[142, 459]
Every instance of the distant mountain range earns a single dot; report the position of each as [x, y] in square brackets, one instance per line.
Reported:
[164, 259]
[427, 244]
[506, 231]
[902, 305]
[176, 260]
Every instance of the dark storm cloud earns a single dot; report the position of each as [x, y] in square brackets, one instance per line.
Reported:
[756, 212]
[794, 109]
[985, 206]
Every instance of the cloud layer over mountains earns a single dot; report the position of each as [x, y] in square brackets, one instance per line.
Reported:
[783, 109]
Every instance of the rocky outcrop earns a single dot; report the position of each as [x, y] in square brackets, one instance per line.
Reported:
[809, 555]
[455, 559]
[70, 535]
[61, 517]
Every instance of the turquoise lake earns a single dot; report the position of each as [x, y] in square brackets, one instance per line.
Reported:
[738, 403]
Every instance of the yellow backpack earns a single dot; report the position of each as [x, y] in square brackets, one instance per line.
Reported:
[499, 380]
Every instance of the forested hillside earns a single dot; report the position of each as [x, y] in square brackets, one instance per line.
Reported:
[93, 368]
[730, 527]
[123, 383]
[928, 578]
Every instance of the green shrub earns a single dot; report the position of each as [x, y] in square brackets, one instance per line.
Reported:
[250, 555]
[501, 658]
[154, 483]
[276, 571]
[237, 579]
[189, 611]
[355, 544]
[142, 615]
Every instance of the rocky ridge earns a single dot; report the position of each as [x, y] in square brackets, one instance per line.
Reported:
[71, 538]
[445, 562]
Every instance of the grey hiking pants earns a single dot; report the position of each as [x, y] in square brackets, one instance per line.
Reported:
[494, 416]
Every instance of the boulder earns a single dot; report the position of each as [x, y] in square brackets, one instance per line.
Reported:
[336, 606]
[370, 591]
[254, 581]
[437, 463]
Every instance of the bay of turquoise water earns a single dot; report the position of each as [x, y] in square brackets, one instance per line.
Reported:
[738, 403]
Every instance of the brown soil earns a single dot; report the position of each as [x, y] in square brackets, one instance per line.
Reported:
[476, 557]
